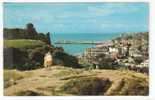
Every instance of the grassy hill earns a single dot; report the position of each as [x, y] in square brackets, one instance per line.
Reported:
[23, 43]
[26, 44]
[30, 52]
[30, 46]
[67, 81]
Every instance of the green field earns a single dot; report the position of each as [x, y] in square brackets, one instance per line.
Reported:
[23, 43]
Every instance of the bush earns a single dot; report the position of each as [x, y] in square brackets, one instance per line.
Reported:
[138, 60]
[68, 60]
[29, 93]
[131, 86]
[86, 65]
[37, 56]
[86, 86]
[15, 58]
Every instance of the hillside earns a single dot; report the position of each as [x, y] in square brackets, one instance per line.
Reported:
[67, 81]
[31, 46]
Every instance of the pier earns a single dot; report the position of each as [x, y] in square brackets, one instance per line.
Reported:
[78, 42]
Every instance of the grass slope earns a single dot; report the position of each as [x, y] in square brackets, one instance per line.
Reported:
[23, 43]
[67, 81]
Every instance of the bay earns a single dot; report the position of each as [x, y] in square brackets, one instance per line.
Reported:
[77, 49]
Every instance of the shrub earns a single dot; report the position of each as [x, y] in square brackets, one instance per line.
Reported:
[24, 57]
[14, 57]
[86, 65]
[135, 86]
[86, 86]
[37, 56]
[26, 66]
[138, 60]
[29, 93]
[131, 86]
[68, 60]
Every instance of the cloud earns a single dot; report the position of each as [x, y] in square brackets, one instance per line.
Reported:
[77, 17]
[114, 8]
[100, 11]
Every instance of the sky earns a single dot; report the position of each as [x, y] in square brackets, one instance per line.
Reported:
[78, 17]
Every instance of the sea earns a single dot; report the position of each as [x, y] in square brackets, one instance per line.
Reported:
[78, 49]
